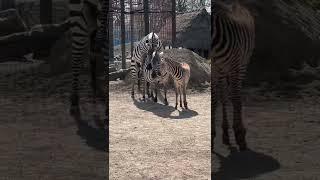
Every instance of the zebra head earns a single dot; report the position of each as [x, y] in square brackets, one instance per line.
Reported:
[152, 41]
[153, 63]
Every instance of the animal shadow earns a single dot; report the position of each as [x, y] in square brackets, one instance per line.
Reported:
[164, 111]
[245, 164]
[94, 135]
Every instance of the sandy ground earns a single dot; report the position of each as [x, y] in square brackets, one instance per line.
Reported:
[38, 137]
[40, 140]
[284, 140]
[152, 141]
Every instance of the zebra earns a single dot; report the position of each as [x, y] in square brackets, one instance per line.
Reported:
[151, 71]
[179, 72]
[87, 22]
[233, 33]
[139, 54]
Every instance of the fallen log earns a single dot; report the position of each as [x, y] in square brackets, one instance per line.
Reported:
[40, 37]
[121, 74]
[11, 22]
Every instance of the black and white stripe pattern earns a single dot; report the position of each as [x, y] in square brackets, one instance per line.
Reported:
[233, 36]
[139, 54]
[85, 21]
[151, 71]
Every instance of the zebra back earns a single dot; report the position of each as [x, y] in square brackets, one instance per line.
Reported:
[233, 37]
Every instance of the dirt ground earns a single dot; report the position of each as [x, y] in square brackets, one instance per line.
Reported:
[38, 137]
[40, 140]
[153, 141]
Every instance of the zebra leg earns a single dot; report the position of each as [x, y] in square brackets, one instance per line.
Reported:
[151, 92]
[180, 92]
[238, 127]
[214, 100]
[93, 64]
[185, 97]
[176, 89]
[135, 74]
[155, 99]
[139, 82]
[225, 125]
[132, 86]
[148, 92]
[165, 94]
[144, 90]
[77, 54]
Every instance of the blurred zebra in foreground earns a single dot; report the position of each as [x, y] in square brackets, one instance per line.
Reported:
[233, 33]
[164, 69]
[139, 54]
[88, 20]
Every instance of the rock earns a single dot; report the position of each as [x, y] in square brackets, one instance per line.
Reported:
[200, 71]
[287, 35]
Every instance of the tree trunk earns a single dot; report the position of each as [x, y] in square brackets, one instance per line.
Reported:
[45, 11]
[123, 35]
[118, 74]
[35, 40]
[146, 16]
[173, 23]
[11, 22]
[7, 4]
[111, 46]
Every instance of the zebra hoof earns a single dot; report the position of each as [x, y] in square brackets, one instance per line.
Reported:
[166, 102]
[176, 107]
[155, 99]
[185, 105]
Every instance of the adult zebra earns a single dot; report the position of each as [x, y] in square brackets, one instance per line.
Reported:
[85, 20]
[233, 36]
[139, 55]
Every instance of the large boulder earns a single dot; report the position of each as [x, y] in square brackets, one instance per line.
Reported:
[200, 69]
[287, 36]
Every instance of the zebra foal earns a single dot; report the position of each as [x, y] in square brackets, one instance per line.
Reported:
[233, 33]
[180, 73]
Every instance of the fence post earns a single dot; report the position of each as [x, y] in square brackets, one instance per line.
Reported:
[45, 11]
[7, 4]
[131, 28]
[146, 16]
[123, 35]
[173, 23]
[111, 45]
[45, 18]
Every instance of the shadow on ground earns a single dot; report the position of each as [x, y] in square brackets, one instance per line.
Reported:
[94, 135]
[245, 164]
[163, 111]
